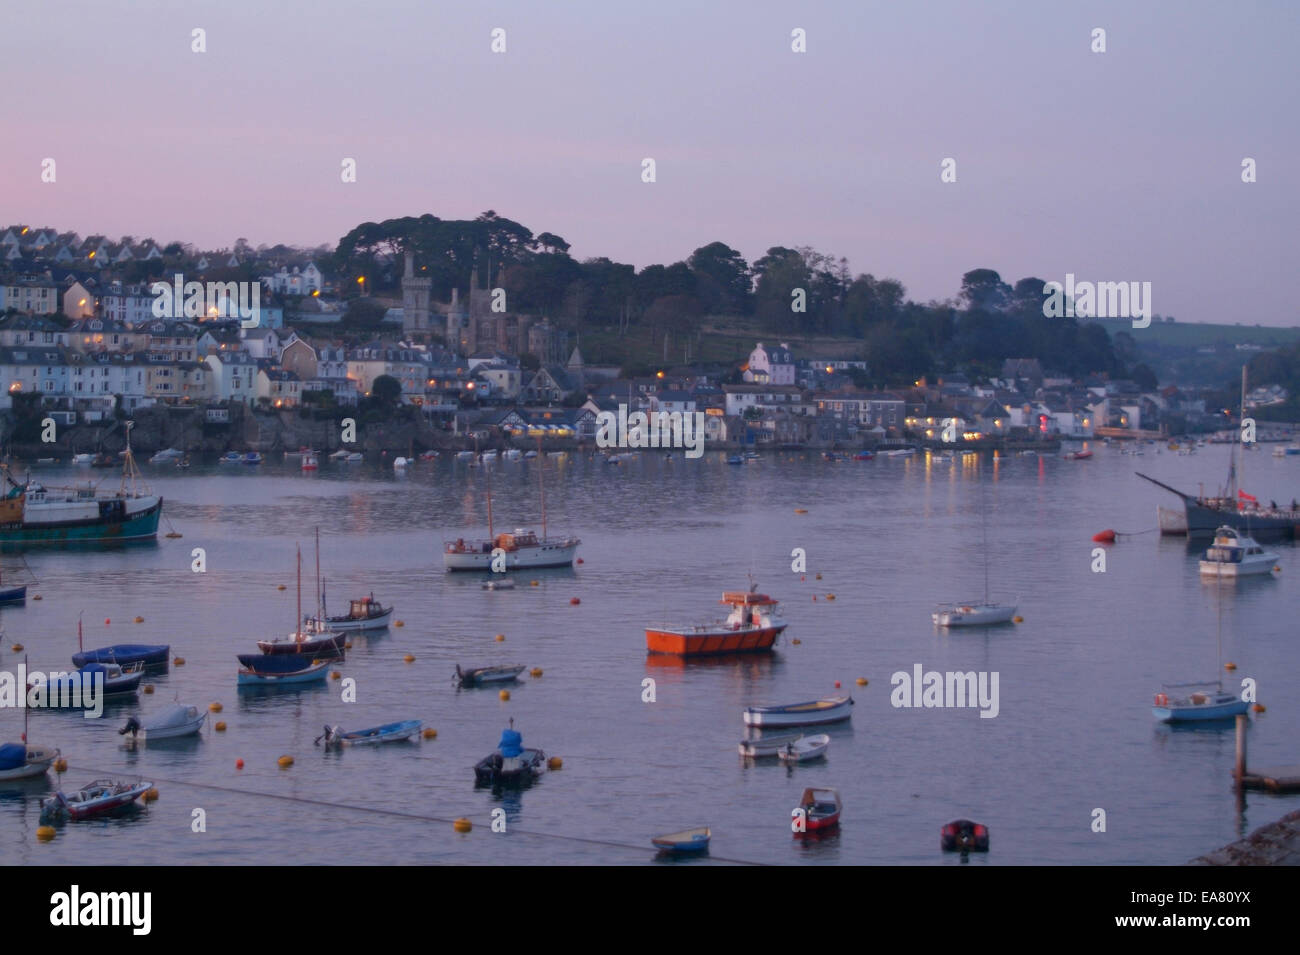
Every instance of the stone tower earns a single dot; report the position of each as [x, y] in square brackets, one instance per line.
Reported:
[417, 302]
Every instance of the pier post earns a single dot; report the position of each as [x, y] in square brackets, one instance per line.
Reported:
[1239, 772]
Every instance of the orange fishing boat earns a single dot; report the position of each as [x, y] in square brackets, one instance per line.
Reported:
[752, 625]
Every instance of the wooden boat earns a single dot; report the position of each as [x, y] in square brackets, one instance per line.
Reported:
[25, 761]
[364, 613]
[805, 749]
[1233, 554]
[281, 669]
[751, 626]
[98, 798]
[687, 842]
[388, 733]
[812, 713]
[510, 764]
[306, 640]
[126, 654]
[821, 809]
[767, 745]
[107, 679]
[169, 723]
[481, 676]
[962, 835]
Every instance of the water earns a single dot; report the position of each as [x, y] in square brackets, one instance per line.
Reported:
[661, 540]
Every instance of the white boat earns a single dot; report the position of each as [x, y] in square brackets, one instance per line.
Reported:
[170, 454]
[169, 723]
[767, 745]
[489, 455]
[972, 614]
[340, 455]
[1233, 554]
[25, 761]
[1172, 521]
[1200, 702]
[513, 454]
[812, 713]
[84, 458]
[465, 455]
[805, 749]
[356, 457]
[399, 732]
[399, 464]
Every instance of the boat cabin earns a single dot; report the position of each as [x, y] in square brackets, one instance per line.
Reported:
[749, 609]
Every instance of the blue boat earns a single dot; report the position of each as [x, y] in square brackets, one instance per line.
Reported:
[231, 457]
[388, 733]
[686, 842]
[1208, 703]
[81, 687]
[735, 459]
[125, 654]
[280, 669]
[252, 457]
[13, 595]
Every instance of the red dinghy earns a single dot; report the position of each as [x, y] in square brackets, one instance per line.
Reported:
[821, 809]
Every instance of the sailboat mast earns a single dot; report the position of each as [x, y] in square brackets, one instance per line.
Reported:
[1219, 633]
[541, 484]
[320, 605]
[297, 626]
[487, 480]
[1241, 437]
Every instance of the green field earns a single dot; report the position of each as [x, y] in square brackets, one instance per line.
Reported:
[1194, 335]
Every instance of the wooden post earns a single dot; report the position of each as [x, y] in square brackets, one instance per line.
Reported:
[1239, 773]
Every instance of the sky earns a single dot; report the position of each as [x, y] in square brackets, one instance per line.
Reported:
[1117, 166]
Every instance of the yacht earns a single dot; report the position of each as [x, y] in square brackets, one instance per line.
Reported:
[1233, 554]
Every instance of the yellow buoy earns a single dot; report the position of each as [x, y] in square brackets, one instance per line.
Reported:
[179, 661]
[284, 762]
[1230, 665]
[409, 658]
[348, 645]
[819, 576]
[801, 510]
[280, 587]
[796, 640]
[504, 694]
[220, 727]
[532, 583]
[535, 671]
[148, 688]
[45, 833]
[17, 648]
[462, 825]
[500, 638]
[862, 681]
[214, 707]
[399, 623]
[60, 765]
[430, 733]
[139, 619]
[335, 674]
[151, 795]
[36, 596]
[1017, 619]
[554, 763]
[830, 596]
[1260, 707]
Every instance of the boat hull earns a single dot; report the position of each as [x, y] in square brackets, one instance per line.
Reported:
[350, 625]
[124, 654]
[800, 714]
[534, 558]
[328, 645]
[1199, 713]
[388, 733]
[973, 616]
[1215, 568]
[13, 595]
[492, 770]
[316, 673]
[113, 528]
[38, 760]
[684, 643]
[1203, 521]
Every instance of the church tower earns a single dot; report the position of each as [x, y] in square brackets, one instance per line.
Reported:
[417, 301]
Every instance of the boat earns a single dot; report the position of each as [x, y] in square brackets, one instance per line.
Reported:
[125, 654]
[356, 457]
[32, 514]
[98, 798]
[231, 457]
[864, 456]
[13, 595]
[169, 454]
[340, 454]
[84, 457]
[481, 676]
[1233, 554]
[821, 809]
[428, 455]
[388, 733]
[281, 669]
[510, 763]
[751, 626]
[465, 455]
[805, 749]
[512, 454]
[499, 583]
[529, 455]
[1077, 455]
[812, 713]
[24, 761]
[767, 745]
[1200, 702]
[735, 459]
[79, 687]
[310, 462]
[364, 613]
[1172, 522]
[1292, 450]
[401, 463]
[310, 637]
[252, 457]
[687, 842]
[752, 455]
[962, 835]
[974, 613]
[520, 550]
[170, 722]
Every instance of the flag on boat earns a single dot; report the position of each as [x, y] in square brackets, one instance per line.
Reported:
[1243, 496]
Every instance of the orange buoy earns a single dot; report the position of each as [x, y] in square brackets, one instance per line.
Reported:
[60, 765]
[504, 695]
[1260, 707]
[239, 764]
[284, 762]
[796, 640]
[1104, 537]
[139, 619]
[150, 795]
[819, 576]
[147, 688]
[430, 733]
[535, 672]
[399, 623]
[532, 583]
[179, 662]
[1230, 665]
[555, 763]
[214, 707]
[862, 681]
[462, 825]
[17, 648]
[220, 727]
[335, 674]
[45, 833]
[574, 601]
[500, 638]
[279, 587]
[409, 658]
[36, 596]
[830, 596]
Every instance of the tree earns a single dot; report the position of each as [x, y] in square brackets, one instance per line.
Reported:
[386, 391]
[363, 314]
[723, 278]
[984, 289]
[1144, 378]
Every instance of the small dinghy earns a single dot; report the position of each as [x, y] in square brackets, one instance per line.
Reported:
[820, 810]
[962, 835]
[99, 798]
[805, 749]
[481, 676]
[169, 723]
[84, 457]
[109, 679]
[510, 764]
[231, 457]
[24, 761]
[388, 733]
[814, 712]
[499, 583]
[687, 842]
[252, 457]
[170, 454]
[125, 654]
[767, 746]
[281, 669]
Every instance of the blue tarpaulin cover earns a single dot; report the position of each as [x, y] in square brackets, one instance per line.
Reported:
[511, 743]
[12, 755]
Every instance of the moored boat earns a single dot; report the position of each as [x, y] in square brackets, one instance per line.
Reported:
[125, 654]
[252, 457]
[819, 810]
[398, 732]
[1196, 702]
[767, 745]
[98, 798]
[310, 637]
[510, 764]
[805, 749]
[25, 761]
[687, 842]
[752, 625]
[1233, 554]
[168, 454]
[84, 686]
[171, 722]
[811, 713]
[481, 676]
[1077, 455]
[962, 835]
[231, 457]
[972, 614]
[280, 669]
[364, 613]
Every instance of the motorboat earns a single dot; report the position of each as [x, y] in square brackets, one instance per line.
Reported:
[752, 625]
[171, 722]
[98, 798]
[819, 810]
[962, 835]
[481, 676]
[1233, 554]
[805, 749]
[687, 842]
[25, 761]
[510, 764]
[398, 732]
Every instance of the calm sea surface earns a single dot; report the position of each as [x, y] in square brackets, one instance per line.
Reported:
[661, 540]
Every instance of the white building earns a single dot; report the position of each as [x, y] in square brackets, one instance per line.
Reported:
[771, 366]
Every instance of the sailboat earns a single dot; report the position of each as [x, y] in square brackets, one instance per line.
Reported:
[1199, 702]
[521, 549]
[1234, 508]
[975, 613]
[324, 644]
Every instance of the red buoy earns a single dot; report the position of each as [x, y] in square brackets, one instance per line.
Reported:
[575, 601]
[1104, 537]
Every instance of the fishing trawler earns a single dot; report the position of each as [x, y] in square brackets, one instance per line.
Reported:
[32, 514]
[752, 625]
